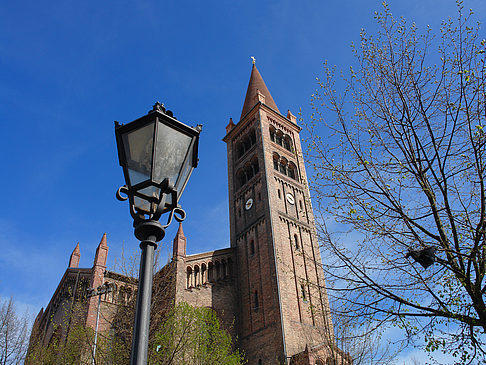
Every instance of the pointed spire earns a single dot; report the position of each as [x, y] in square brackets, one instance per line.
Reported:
[179, 247]
[291, 117]
[257, 89]
[230, 126]
[75, 256]
[103, 242]
[180, 232]
[101, 252]
[37, 322]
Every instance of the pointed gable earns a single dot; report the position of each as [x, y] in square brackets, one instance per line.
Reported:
[75, 256]
[256, 86]
[101, 253]
[179, 247]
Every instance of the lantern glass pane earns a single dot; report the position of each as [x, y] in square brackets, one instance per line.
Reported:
[170, 151]
[168, 200]
[185, 173]
[138, 150]
[143, 204]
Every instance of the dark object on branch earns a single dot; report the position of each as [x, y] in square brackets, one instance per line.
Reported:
[424, 257]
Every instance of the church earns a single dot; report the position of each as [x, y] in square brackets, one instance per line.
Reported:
[268, 287]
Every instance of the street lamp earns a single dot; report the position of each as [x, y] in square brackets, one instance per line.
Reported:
[157, 153]
[99, 291]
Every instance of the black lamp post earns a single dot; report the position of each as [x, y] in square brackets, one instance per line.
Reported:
[158, 154]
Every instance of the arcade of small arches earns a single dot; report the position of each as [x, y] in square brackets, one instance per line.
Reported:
[120, 294]
[284, 166]
[284, 140]
[203, 273]
[250, 169]
[245, 143]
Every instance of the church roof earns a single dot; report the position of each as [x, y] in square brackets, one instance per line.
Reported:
[256, 83]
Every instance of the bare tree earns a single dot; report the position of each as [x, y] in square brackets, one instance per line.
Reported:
[362, 342]
[402, 170]
[14, 334]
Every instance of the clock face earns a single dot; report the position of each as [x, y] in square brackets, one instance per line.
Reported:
[290, 198]
[249, 204]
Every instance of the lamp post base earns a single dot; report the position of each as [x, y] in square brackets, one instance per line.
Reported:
[149, 233]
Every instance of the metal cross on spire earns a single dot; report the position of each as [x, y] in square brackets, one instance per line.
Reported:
[253, 59]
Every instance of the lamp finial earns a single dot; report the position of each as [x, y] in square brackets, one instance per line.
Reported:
[158, 107]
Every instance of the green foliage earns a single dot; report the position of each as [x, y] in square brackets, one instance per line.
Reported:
[75, 348]
[190, 335]
[66, 350]
[186, 335]
[69, 341]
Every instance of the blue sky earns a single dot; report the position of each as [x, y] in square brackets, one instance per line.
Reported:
[68, 69]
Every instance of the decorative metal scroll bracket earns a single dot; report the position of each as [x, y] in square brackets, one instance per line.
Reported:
[122, 190]
[123, 193]
[178, 213]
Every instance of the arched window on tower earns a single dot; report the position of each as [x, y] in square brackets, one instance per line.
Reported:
[296, 242]
[244, 174]
[248, 171]
[241, 178]
[252, 136]
[254, 165]
[276, 158]
[272, 133]
[255, 300]
[279, 138]
[283, 166]
[240, 149]
[287, 143]
[245, 143]
[292, 171]
[252, 248]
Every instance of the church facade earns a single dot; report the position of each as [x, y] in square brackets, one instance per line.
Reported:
[268, 287]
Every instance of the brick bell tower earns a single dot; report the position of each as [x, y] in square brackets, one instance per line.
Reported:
[284, 310]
